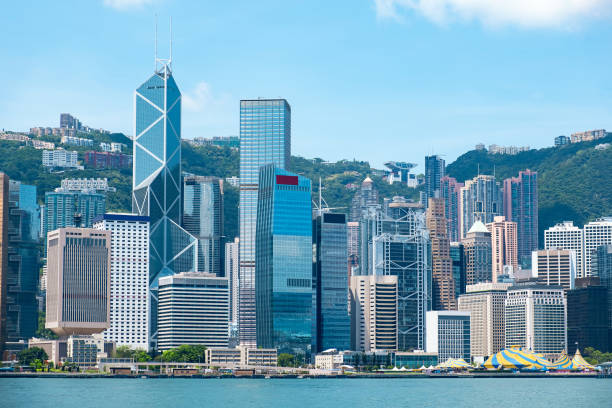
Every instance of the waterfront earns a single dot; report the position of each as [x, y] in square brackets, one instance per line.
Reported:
[293, 393]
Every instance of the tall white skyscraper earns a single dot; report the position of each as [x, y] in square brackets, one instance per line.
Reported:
[129, 270]
[566, 236]
[596, 234]
[231, 273]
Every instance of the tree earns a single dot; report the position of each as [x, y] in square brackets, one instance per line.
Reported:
[43, 332]
[286, 360]
[185, 354]
[138, 355]
[30, 355]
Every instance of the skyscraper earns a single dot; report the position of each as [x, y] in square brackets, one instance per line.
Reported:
[434, 171]
[331, 323]
[596, 234]
[365, 197]
[601, 264]
[4, 218]
[353, 237]
[450, 192]
[129, 281]
[521, 206]
[566, 236]
[481, 200]
[283, 267]
[503, 245]
[78, 281]
[448, 334]
[265, 138]
[554, 267]
[203, 218]
[156, 180]
[478, 255]
[457, 255]
[64, 208]
[231, 273]
[443, 284]
[587, 315]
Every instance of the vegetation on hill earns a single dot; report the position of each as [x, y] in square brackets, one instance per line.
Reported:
[575, 181]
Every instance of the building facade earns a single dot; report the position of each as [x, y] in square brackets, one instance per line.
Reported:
[129, 287]
[562, 140]
[107, 160]
[481, 200]
[567, 236]
[78, 281]
[60, 158]
[231, 273]
[596, 234]
[521, 207]
[265, 138]
[450, 192]
[503, 245]
[65, 208]
[4, 219]
[435, 169]
[478, 255]
[457, 255]
[449, 334]
[587, 315]
[601, 264]
[554, 267]
[443, 283]
[283, 267]
[193, 309]
[203, 218]
[331, 326]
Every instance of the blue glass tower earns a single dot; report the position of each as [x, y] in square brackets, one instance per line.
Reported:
[156, 180]
[265, 138]
[283, 268]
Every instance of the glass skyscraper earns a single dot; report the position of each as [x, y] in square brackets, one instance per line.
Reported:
[265, 138]
[283, 267]
[435, 170]
[203, 218]
[521, 206]
[63, 208]
[481, 200]
[156, 180]
[331, 323]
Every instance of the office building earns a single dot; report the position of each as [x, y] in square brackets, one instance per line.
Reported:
[481, 200]
[156, 180]
[554, 267]
[64, 208]
[107, 160]
[596, 234]
[4, 220]
[353, 239]
[503, 246]
[203, 218]
[396, 243]
[521, 207]
[601, 264]
[265, 138]
[129, 286]
[587, 315]
[193, 309]
[60, 158]
[536, 318]
[478, 254]
[78, 281]
[374, 312]
[443, 284]
[364, 198]
[588, 135]
[457, 255]
[450, 192]
[435, 169]
[562, 140]
[231, 273]
[566, 236]
[486, 304]
[283, 266]
[331, 326]
[448, 334]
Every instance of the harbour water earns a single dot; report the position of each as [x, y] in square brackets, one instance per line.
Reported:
[293, 393]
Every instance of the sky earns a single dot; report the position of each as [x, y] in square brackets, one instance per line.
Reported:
[373, 80]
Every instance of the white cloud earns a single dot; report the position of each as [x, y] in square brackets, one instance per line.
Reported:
[126, 4]
[206, 113]
[524, 13]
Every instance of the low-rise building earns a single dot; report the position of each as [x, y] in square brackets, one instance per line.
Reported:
[415, 359]
[241, 356]
[60, 158]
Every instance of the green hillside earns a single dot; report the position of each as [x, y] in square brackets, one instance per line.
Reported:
[575, 181]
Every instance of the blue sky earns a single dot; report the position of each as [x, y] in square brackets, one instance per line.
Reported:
[373, 80]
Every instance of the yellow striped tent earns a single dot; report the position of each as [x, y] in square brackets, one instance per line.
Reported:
[455, 363]
[580, 362]
[517, 358]
[564, 363]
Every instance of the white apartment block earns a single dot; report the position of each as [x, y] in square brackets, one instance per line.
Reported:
[567, 236]
[129, 290]
[60, 158]
[81, 184]
[232, 273]
[554, 267]
[596, 234]
[77, 141]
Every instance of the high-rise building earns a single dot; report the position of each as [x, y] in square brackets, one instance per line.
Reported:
[4, 219]
[203, 218]
[521, 207]
[503, 245]
[450, 192]
[283, 267]
[231, 273]
[193, 309]
[478, 254]
[331, 326]
[601, 264]
[536, 318]
[457, 255]
[129, 282]
[22, 267]
[60, 158]
[448, 334]
[78, 281]
[596, 234]
[443, 284]
[374, 312]
[562, 140]
[481, 200]
[566, 236]
[587, 315]
[434, 171]
[156, 180]
[64, 208]
[353, 238]
[554, 267]
[397, 243]
[364, 198]
[486, 304]
[265, 138]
